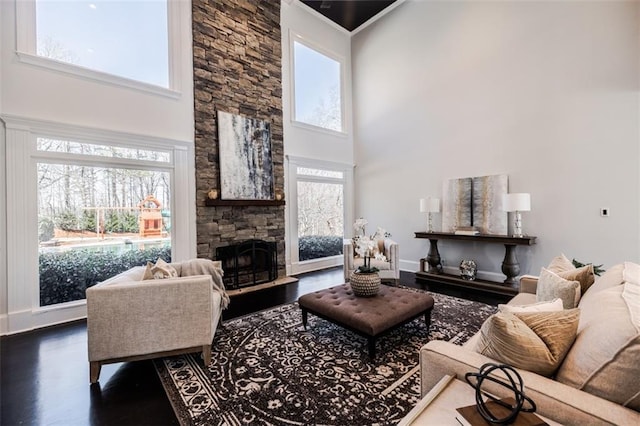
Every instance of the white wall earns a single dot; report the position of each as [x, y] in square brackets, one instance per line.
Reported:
[300, 141]
[44, 98]
[546, 92]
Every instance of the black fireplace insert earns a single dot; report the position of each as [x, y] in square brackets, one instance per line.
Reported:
[248, 263]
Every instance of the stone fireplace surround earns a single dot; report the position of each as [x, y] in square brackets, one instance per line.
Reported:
[237, 69]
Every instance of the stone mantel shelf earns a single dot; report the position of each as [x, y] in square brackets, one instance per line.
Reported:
[214, 203]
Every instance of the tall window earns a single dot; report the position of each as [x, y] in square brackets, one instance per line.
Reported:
[96, 221]
[320, 194]
[126, 38]
[320, 213]
[318, 88]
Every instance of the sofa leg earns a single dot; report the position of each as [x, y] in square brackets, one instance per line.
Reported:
[206, 354]
[94, 371]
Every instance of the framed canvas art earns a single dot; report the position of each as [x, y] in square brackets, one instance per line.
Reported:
[246, 166]
[475, 202]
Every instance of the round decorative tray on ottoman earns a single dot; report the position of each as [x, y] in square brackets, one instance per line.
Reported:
[365, 284]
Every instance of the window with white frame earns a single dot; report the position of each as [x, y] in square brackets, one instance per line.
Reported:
[317, 87]
[102, 209]
[127, 38]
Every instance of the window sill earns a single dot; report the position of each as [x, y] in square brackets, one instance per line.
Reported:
[319, 129]
[98, 76]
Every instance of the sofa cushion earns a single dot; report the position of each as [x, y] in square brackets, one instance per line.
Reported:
[603, 360]
[533, 341]
[612, 277]
[551, 286]
[553, 306]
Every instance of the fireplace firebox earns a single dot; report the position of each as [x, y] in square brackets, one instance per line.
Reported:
[248, 263]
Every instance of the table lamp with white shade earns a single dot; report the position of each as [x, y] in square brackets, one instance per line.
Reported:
[430, 205]
[517, 202]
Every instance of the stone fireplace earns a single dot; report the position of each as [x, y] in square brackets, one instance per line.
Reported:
[237, 69]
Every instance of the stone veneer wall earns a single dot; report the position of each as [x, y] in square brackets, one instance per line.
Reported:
[237, 68]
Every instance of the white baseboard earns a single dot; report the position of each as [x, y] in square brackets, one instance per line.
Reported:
[4, 325]
[27, 320]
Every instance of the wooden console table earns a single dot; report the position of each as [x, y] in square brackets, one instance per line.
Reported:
[510, 265]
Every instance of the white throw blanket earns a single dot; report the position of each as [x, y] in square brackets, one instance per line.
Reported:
[206, 267]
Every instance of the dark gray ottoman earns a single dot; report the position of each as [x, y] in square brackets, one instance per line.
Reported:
[370, 317]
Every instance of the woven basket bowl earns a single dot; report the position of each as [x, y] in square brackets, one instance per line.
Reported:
[365, 285]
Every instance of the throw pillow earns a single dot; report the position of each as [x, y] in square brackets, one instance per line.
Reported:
[584, 275]
[560, 264]
[553, 306]
[552, 286]
[163, 270]
[148, 274]
[565, 268]
[532, 341]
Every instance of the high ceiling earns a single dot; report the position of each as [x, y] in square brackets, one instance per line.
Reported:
[349, 14]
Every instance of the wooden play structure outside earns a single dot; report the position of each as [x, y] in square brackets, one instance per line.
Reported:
[150, 219]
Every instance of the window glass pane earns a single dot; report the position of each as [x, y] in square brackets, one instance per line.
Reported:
[96, 222]
[70, 147]
[128, 38]
[318, 172]
[317, 88]
[320, 220]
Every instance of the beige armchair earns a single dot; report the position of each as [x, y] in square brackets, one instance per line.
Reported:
[129, 319]
[389, 270]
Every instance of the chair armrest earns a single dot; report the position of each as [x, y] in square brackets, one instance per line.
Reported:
[528, 284]
[555, 400]
[141, 317]
[392, 251]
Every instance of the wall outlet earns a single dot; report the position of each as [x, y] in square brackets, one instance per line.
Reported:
[604, 212]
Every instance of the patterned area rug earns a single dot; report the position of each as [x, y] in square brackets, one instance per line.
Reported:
[267, 370]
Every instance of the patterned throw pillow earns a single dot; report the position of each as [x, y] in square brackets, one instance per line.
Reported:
[551, 286]
[532, 341]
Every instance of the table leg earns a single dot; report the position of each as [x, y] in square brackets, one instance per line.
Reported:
[427, 319]
[371, 341]
[510, 265]
[433, 258]
[304, 318]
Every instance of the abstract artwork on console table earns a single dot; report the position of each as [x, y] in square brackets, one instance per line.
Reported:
[246, 167]
[475, 202]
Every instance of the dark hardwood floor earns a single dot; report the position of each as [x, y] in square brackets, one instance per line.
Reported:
[44, 374]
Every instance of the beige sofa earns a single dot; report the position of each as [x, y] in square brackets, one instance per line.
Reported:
[130, 319]
[599, 379]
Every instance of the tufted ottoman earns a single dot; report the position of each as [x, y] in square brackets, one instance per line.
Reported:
[370, 317]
